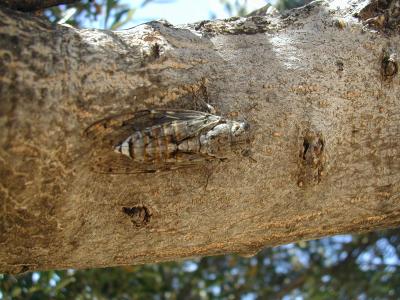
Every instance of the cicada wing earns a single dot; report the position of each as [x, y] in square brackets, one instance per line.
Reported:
[120, 127]
[178, 124]
[106, 134]
[114, 163]
[116, 126]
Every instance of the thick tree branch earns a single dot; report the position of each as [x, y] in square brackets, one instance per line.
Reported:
[33, 5]
[318, 87]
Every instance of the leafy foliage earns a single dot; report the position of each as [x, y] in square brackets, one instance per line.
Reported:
[236, 7]
[343, 267]
[112, 13]
[289, 4]
[119, 14]
[85, 10]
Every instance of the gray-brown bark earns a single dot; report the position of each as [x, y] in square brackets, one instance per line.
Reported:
[319, 87]
[33, 5]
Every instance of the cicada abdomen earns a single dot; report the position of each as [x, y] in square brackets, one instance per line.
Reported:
[153, 140]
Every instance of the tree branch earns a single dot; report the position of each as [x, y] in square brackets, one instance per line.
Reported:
[33, 5]
[322, 159]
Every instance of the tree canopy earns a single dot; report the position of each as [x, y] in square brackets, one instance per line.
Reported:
[343, 267]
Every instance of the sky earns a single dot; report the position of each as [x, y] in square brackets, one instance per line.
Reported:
[175, 11]
[186, 11]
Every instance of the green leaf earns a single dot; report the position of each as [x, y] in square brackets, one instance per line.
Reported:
[16, 292]
[110, 4]
[127, 14]
[63, 283]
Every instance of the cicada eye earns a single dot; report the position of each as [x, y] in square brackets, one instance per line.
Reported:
[240, 128]
[236, 129]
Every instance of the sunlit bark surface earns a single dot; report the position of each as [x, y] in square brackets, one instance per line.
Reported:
[318, 85]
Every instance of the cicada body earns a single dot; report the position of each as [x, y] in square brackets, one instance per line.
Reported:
[153, 140]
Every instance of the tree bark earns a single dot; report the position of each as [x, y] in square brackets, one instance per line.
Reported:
[33, 5]
[318, 86]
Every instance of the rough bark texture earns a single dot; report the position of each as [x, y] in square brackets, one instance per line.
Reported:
[318, 85]
[33, 5]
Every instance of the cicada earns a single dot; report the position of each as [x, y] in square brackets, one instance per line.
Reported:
[152, 140]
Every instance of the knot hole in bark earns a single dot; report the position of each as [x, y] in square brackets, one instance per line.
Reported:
[152, 54]
[155, 51]
[389, 66]
[22, 269]
[339, 67]
[312, 159]
[139, 215]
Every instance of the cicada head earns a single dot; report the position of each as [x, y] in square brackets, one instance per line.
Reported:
[225, 138]
[240, 136]
[239, 131]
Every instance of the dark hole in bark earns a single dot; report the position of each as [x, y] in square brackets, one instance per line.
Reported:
[313, 160]
[156, 51]
[389, 67]
[24, 269]
[318, 147]
[139, 215]
[340, 66]
[306, 145]
[321, 142]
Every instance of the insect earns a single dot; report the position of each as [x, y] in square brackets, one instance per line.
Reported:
[152, 140]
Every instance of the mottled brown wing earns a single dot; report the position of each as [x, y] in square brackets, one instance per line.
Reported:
[109, 132]
[119, 127]
[115, 163]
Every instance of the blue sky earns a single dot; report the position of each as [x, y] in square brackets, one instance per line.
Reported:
[175, 11]
[186, 11]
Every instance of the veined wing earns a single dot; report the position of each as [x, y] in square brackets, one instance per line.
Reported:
[120, 127]
[115, 163]
[154, 126]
